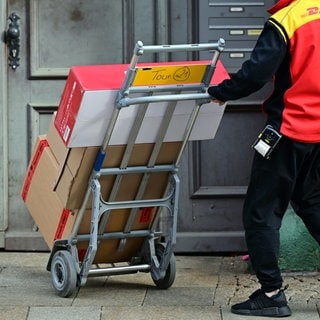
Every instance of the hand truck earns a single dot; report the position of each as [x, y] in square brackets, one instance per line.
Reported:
[155, 252]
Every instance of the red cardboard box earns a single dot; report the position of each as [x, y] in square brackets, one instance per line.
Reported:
[88, 101]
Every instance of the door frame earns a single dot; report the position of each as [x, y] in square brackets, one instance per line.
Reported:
[4, 210]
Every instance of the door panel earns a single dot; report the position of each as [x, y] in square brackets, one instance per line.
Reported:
[65, 33]
[214, 190]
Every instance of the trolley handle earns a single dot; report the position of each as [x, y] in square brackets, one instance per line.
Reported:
[219, 45]
[200, 97]
[123, 99]
[139, 49]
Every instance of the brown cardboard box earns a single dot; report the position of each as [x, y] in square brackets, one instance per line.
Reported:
[108, 249]
[74, 168]
[76, 164]
[52, 218]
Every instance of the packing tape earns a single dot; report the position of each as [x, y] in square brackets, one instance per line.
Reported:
[62, 223]
[42, 144]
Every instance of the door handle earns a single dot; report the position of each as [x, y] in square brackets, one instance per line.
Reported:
[12, 39]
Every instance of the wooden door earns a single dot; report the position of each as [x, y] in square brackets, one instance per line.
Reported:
[54, 35]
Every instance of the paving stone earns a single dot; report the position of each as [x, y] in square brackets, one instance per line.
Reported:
[63, 313]
[162, 313]
[205, 287]
[180, 296]
[16, 313]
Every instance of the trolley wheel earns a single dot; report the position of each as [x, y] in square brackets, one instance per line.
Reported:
[167, 281]
[63, 273]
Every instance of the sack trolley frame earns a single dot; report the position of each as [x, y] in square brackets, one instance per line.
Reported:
[156, 257]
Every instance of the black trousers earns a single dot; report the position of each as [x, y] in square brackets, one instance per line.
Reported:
[290, 175]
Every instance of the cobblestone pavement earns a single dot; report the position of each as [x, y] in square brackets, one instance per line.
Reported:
[204, 288]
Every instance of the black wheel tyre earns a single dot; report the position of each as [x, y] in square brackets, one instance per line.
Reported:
[63, 273]
[167, 281]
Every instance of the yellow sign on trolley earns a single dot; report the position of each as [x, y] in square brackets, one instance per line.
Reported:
[167, 75]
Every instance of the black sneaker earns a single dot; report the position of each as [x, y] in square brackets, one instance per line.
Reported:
[260, 305]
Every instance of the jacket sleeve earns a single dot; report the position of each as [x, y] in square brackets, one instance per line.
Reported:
[264, 61]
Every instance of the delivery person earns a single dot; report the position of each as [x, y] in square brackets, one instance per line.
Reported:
[286, 164]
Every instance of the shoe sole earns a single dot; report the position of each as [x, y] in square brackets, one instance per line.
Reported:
[266, 312]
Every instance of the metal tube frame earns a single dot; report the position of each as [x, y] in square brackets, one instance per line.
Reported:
[101, 207]
[123, 99]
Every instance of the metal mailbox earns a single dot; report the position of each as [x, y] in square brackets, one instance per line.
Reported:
[238, 22]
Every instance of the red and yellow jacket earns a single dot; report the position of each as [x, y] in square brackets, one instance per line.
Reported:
[288, 50]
